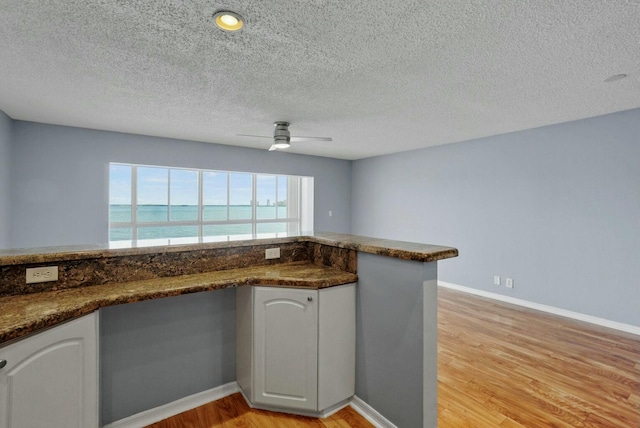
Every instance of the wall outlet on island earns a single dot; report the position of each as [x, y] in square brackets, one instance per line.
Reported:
[272, 253]
[508, 282]
[42, 274]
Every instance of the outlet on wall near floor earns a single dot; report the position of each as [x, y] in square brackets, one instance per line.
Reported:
[508, 282]
[496, 279]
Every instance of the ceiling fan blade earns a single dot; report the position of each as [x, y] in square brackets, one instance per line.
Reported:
[257, 136]
[299, 139]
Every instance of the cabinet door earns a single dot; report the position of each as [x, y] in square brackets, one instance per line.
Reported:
[336, 344]
[286, 347]
[50, 379]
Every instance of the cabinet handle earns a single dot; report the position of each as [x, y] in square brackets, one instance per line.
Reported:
[309, 299]
[3, 363]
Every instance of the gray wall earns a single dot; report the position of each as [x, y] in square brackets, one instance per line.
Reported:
[60, 178]
[155, 352]
[396, 339]
[6, 125]
[556, 208]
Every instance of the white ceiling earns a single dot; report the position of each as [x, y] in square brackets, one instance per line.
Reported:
[377, 76]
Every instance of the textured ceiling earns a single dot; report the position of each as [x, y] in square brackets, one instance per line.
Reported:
[377, 76]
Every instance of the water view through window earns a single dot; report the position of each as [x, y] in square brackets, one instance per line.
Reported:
[151, 203]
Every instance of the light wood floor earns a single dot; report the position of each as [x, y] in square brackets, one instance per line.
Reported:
[233, 411]
[499, 365]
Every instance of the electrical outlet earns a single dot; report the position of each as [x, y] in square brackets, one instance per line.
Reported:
[42, 274]
[496, 279]
[272, 253]
[508, 282]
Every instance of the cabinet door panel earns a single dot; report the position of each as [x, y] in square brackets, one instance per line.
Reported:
[51, 378]
[286, 340]
[336, 344]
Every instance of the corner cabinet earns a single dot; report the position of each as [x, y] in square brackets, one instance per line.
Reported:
[49, 379]
[296, 347]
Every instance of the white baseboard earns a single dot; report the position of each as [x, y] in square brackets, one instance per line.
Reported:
[370, 414]
[544, 308]
[308, 413]
[168, 410]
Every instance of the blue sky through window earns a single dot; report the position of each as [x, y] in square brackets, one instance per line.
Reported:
[184, 187]
[120, 185]
[240, 186]
[214, 188]
[153, 186]
[153, 183]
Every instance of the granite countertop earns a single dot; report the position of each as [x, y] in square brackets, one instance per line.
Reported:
[386, 247]
[24, 314]
[390, 248]
[139, 271]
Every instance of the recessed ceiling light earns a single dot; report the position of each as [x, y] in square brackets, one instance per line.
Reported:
[228, 21]
[615, 78]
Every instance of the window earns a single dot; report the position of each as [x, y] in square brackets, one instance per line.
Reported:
[189, 205]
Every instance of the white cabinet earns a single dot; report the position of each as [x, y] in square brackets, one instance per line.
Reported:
[50, 378]
[286, 347]
[296, 347]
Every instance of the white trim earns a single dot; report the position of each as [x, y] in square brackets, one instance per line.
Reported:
[370, 414]
[335, 408]
[628, 328]
[308, 413]
[306, 204]
[168, 410]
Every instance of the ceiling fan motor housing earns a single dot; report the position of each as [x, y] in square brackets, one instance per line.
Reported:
[282, 138]
[281, 133]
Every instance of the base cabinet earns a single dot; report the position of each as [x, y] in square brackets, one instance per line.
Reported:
[296, 347]
[50, 379]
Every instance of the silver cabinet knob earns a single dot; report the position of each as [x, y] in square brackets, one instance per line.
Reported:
[3, 363]
[309, 298]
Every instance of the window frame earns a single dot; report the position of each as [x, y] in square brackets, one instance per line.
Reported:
[299, 217]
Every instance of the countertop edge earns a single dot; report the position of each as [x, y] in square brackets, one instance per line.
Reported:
[385, 247]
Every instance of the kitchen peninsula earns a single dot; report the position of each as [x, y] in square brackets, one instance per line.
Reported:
[396, 325]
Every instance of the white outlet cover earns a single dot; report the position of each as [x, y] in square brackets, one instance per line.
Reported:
[272, 253]
[496, 279]
[509, 282]
[42, 274]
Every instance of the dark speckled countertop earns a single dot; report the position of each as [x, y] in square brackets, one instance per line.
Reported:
[27, 313]
[100, 276]
[398, 249]
[386, 247]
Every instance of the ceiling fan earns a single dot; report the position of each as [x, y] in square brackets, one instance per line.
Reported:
[282, 137]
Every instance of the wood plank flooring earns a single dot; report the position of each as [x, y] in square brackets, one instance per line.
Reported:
[233, 411]
[499, 365]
